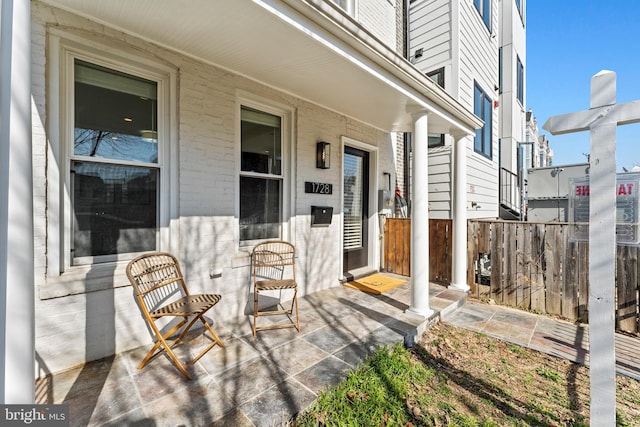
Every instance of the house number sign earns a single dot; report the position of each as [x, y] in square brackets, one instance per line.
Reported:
[318, 188]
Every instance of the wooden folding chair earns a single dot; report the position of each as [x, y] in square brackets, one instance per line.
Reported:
[274, 269]
[161, 293]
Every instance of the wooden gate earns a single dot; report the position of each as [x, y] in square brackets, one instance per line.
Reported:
[397, 248]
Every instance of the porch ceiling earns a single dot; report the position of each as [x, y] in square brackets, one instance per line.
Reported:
[304, 47]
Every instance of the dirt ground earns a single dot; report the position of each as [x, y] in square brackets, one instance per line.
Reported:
[500, 384]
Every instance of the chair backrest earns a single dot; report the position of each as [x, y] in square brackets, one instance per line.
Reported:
[156, 278]
[271, 259]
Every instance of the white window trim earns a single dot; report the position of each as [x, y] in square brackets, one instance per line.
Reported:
[287, 115]
[64, 46]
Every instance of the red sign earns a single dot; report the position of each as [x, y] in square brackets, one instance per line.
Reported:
[624, 189]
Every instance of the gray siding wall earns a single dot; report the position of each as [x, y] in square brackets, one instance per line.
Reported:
[440, 183]
[479, 64]
[430, 30]
[453, 35]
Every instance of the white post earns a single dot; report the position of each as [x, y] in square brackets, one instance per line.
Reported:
[420, 217]
[459, 282]
[601, 120]
[17, 354]
[602, 256]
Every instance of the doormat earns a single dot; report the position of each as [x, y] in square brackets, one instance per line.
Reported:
[375, 284]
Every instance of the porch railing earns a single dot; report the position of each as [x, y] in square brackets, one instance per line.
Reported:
[509, 190]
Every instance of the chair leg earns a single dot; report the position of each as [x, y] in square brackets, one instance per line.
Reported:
[295, 301]
[162, 341]
[255, 310]
[289, 312]
[213, 334]
[216, 339]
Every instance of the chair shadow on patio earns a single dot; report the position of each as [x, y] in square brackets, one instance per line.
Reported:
[252, 380]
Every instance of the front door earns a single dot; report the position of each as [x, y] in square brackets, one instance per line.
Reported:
[356, 209]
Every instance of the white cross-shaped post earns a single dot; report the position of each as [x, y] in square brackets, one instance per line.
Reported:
[601, 120]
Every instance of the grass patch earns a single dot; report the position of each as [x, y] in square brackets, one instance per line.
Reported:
[460, 378]
[549, 374]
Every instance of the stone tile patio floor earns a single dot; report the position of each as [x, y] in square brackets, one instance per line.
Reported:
[265, 380]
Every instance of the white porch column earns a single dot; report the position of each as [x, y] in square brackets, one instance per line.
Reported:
[17, 354]
[459, 281]
[420, 217]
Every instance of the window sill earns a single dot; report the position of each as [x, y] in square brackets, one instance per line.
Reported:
[81, 280]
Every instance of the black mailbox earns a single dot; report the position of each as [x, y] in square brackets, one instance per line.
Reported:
[321, 216]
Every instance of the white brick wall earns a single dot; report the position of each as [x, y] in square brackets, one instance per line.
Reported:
[379, 17]
[97, 324]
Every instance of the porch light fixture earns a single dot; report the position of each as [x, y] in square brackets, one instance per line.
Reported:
[323, 155]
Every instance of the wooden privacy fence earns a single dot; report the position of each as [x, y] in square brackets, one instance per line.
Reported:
[537, 266]
[397, 248]
[533, 266]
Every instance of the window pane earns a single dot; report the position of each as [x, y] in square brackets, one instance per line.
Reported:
[341, 3]
[487, 127]
[354, 168]
[484, 9]
[346, 5]
[486, 13]
[116, 115]
[520, 80]
[261, 142]
[435, 139]
[437, 76]
[477, 101]
[115, 209]
[260, 212]
[477, 110]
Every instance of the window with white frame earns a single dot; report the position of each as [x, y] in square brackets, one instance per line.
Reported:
[109, 194]
[520, 80]
[261, 175]
[113, 163]
[482, 108]
[484, 9]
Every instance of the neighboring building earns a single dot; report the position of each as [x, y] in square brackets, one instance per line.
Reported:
[517, 145]
[476, 50]
[458, 43]
[537, 152]
[545, 152]
[534, 152]
[192, 128]
[529, 152]
[547, 191]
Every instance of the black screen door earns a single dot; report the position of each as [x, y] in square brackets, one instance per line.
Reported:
[356, 208]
